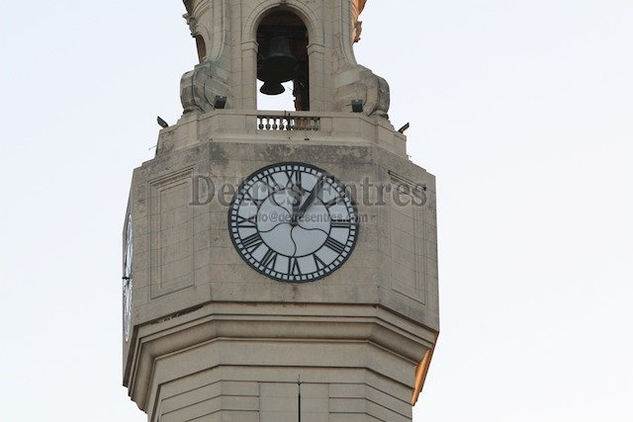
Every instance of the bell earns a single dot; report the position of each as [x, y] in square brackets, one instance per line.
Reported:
[272, 88]
[277, 66]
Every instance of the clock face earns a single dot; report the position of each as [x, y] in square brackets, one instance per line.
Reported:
[293, 222]
[128, 253]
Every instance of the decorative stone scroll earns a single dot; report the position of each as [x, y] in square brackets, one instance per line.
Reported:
[199, 88]
[360, 83]
[207, 21]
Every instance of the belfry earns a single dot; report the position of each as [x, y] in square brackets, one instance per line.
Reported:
[279, 265]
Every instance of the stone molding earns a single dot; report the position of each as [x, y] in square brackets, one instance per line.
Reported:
[300, 7]
[263, 323]
[241, 126]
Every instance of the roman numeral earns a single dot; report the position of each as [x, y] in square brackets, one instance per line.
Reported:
[270, 259]
[319, 263]
[293, 267]
[252, 242]
[272, 182]
[250, 198]
[247, 223]
[333, 202]
[341, 224]
[294, 179]
[335, 245]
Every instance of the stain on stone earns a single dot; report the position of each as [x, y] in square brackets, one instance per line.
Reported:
[217, 153]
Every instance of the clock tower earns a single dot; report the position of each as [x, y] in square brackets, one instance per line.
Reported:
[279, 265]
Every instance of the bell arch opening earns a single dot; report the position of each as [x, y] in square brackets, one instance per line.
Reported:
[201, 47]
[283, 66]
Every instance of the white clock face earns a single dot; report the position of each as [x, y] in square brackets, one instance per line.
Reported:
[128, 254]
[293, 222]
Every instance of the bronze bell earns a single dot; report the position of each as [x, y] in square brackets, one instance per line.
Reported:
[277, 66]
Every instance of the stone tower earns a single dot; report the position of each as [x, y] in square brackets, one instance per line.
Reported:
[279, 265]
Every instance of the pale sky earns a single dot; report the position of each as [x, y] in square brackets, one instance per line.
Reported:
[522, 109]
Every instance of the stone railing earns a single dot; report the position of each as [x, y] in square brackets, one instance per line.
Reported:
[280, 126]
[281, 123]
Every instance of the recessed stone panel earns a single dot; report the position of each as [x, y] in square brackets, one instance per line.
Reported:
[171, 234]
[407, 211]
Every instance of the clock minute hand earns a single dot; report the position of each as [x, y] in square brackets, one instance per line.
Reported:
[295, 205]
[309, 200]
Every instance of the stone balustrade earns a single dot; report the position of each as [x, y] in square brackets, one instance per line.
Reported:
[272, 122]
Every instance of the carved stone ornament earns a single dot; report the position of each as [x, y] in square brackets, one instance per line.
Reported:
[360, 83]
[378, 96]
[192, 22]
[196, 93]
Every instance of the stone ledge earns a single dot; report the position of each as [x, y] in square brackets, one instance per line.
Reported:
[270, 327]
[243, 126]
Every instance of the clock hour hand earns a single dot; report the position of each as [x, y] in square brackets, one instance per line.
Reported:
[296, 202]
[309, 200]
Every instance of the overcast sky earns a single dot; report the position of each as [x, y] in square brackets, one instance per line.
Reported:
[522, 109]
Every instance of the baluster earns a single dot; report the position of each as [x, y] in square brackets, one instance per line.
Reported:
[288, 123]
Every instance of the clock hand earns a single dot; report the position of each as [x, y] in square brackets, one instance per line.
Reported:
[296, 197]
[315, 192]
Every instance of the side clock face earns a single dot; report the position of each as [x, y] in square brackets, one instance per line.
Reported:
[293, 222]
[128, 253]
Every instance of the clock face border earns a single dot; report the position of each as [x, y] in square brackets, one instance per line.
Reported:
[352, 204]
